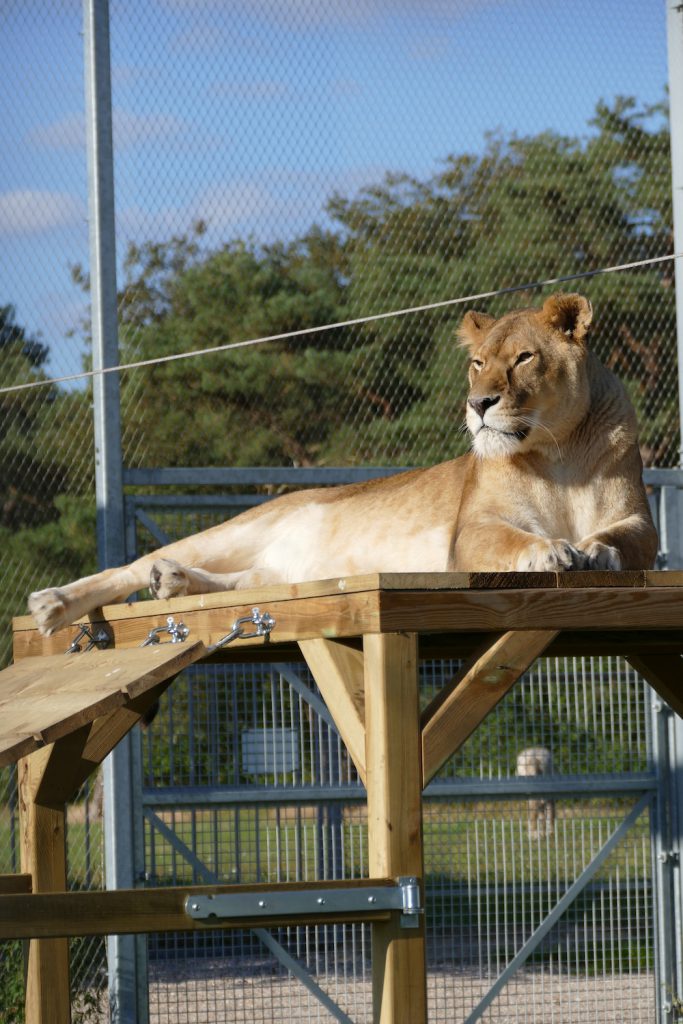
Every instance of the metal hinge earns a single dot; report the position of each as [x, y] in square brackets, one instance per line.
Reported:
[264, 623]
[178, 632]
[404, 897]
[100, 639]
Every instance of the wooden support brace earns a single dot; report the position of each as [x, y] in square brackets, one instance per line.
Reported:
[664, 673]
[394, 786]
[338, 672]
[464, 703]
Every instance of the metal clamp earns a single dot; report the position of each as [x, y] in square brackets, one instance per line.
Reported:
[265, 624]
[178, 631]
[100, 639]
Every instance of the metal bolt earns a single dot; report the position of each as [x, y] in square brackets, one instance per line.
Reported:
[261, 903]
[372, 899]
[320, 900]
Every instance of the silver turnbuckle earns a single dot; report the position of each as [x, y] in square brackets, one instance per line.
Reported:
[100, 639]
[264, 623]
[178, 632]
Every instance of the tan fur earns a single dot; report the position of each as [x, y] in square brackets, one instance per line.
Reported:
[553, 482]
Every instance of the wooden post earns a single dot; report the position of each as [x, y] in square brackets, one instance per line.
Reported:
[394, 788]
[43, 857]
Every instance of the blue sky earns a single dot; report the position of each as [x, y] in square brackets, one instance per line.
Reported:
[250, 114]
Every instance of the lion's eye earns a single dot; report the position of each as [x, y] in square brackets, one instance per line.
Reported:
[477, 364]
[523, 357]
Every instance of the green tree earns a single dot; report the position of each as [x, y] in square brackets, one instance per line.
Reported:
[392, 391]
[274, 404]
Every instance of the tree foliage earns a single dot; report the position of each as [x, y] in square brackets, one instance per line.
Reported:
[392, 390]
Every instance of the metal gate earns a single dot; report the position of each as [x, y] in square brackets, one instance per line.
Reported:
[551, 838]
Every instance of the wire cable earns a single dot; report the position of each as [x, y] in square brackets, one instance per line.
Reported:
[357, 321]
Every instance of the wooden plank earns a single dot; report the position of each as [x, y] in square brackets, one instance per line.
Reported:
[600, 578]
[664, 578]
[664, 673]
[464, 703]
[485, 611]
[335, 616]
[136, 911]
[284, 592]
[338, 672]
[14, 884]
[394, 788]
[44, 699]
[363, 583]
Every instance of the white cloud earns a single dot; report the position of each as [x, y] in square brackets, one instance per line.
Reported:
[279, 204]
[31, 211]
[129, 130]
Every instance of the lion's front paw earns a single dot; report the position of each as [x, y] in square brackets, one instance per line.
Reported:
[168, 579]
[49, 609]
[601, 556]
[550, 556]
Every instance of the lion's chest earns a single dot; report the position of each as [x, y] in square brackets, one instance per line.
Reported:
[557, 508]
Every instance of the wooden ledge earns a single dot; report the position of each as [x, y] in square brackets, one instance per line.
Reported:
[385, 602]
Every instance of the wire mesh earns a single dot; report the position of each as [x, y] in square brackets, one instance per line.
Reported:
[279, 166]
[495, 864]
[301, 167]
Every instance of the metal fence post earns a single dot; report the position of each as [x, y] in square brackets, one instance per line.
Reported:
[675, 47]
[127, 985]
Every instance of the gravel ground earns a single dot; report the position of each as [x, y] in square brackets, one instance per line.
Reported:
[218, 993]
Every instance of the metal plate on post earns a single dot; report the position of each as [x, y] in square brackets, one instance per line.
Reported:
[403, 897]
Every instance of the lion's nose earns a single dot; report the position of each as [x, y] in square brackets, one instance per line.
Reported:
[480, 405]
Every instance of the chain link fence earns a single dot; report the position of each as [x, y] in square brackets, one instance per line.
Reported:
[281, 165]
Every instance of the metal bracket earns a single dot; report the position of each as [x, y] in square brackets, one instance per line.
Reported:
[100, 639]
[404, 897]
[264, 622]
[178, 631]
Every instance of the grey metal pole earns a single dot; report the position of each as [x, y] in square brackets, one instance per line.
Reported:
[127, 984]
[675, 46]
[106, 396]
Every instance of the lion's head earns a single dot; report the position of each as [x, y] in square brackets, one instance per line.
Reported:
[529, 385]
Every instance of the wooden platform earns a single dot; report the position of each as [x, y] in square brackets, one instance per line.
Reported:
[427, 603]
[362, 638]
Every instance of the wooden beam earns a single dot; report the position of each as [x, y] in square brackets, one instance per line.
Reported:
[338, 672]
[340, 615]
[43, 857]
[664, 673]
[138, 911]
[462, 705]
[595, 608]
[394, 787]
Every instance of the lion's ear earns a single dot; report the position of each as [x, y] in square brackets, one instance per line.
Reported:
[569, 313]
[473, 327]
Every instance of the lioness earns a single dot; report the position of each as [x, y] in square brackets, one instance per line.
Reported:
[553, 481]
